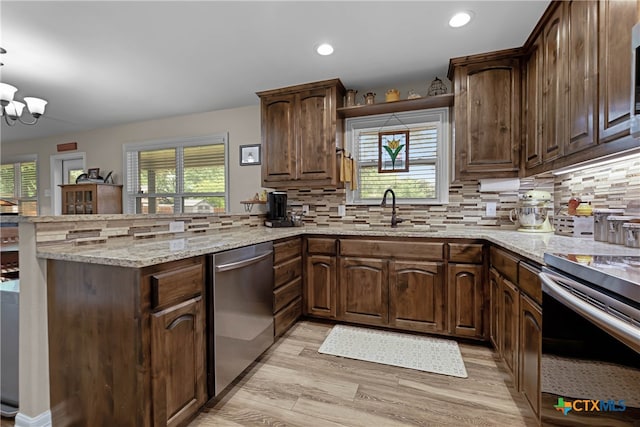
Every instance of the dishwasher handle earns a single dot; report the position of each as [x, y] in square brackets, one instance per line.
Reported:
[240, 264]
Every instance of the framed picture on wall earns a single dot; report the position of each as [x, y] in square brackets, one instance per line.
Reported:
[93, 173]
[250, 155]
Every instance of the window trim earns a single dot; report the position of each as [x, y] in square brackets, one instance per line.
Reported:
[25, 158]
[194, 141]
[417, 117]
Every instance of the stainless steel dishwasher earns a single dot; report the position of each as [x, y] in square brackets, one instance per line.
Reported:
[242, 308]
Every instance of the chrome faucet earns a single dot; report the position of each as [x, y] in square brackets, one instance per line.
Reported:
[394, 219]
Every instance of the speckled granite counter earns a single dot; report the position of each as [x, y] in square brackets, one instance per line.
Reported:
[149, 252]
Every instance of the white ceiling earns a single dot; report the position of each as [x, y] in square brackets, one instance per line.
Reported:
[101, 64]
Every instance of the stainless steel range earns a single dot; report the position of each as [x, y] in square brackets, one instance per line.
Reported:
[590, 369]
[604, 289]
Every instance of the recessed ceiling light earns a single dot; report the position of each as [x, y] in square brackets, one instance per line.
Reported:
[324, 49]
[460, 19]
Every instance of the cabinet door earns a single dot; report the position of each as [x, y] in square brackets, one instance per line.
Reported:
[616, 18]
[530, 352]
[316, 159]
[509, 312]
[416, 296]
[487, 108]
[582, 43]
[320, 286]
[278, 138]
[533, 106]
[178, 371]
[554, 92]
[495, 327]
[364, 290]
[465, 299]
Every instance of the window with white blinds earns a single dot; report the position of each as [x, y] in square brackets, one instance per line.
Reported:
[19, 186]
[183, 176]
[426, 181]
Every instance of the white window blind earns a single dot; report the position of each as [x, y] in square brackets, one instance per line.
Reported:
[426, 182]
[184, 176]
[19, 185]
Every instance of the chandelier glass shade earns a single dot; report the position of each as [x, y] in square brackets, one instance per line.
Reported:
[12, 109]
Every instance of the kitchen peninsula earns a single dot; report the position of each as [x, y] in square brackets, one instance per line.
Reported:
[108, 273]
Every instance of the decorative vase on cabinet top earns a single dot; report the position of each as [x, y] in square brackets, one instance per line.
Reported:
[392, 95]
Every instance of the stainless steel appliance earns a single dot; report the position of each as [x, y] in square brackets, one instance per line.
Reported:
[242, 308]
[9, 313]
[532, 214]
[635, 81]
[591, 315]
[601, 226]
[604, 289]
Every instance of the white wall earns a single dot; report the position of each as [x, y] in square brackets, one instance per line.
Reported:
[104, 147]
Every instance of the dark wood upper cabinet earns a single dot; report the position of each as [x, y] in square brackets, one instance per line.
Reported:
[578, 84]
[616, 18]
[554, 87]
[582, 56]
[533, 85]
[278, 137]
[487, 114]
[300, 134]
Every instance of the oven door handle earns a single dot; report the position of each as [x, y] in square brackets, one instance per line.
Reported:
[623, 331]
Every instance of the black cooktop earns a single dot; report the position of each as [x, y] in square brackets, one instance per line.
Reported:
[616, 273]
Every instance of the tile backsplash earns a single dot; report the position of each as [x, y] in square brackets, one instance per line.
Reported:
[614, 185]
[466, 207]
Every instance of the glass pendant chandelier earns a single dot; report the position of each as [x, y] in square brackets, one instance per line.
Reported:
[12, 109]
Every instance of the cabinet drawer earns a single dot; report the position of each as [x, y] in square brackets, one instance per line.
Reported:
[321, 246]
[287, 293]
[529, 282]
[390, 249]
[465, 252]
[505, 263]
[287, 271]
[286, 317]
[176, 285]
[286, 250]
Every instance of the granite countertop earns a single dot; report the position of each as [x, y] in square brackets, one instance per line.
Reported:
[150, 252]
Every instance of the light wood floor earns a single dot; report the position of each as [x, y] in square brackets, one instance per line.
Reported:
[294, 385]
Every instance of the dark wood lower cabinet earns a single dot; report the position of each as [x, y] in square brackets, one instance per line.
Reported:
[495, 328]
[416, 296]
[126, 345]
[516, 322]
[178, 362]
[466, 300]
[287, 284]
[530, 352]
[509, 316]
[364, 290]
[320, 282]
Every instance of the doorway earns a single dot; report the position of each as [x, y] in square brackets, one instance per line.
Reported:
[65, 168]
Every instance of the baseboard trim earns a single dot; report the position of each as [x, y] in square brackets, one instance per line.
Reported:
[42, 420]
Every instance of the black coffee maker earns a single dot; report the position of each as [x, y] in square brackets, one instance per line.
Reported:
[277, 210]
